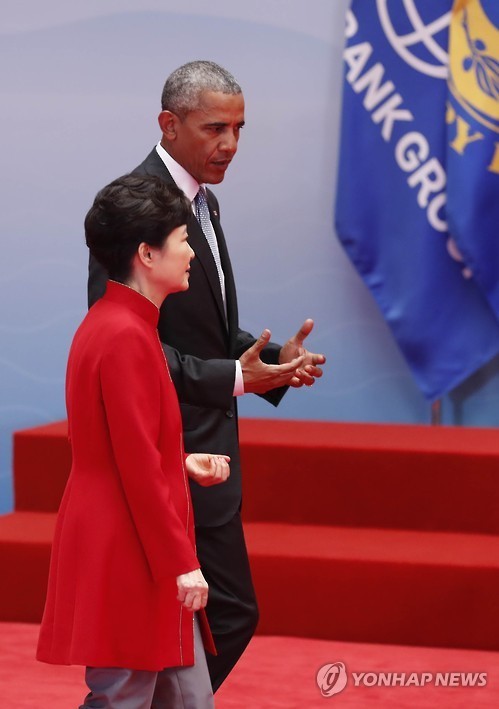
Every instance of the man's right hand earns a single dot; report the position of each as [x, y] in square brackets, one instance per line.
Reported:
[259, 377]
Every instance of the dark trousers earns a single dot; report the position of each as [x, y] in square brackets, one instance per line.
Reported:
[232, 609]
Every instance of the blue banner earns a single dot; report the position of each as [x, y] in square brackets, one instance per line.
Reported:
[473, 140]
[391, 199]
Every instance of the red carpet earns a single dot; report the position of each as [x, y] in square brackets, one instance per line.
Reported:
[274, 673]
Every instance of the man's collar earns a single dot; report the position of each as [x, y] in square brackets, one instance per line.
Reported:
[182, 178]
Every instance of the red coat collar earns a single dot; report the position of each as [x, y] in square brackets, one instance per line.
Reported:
[132, 299]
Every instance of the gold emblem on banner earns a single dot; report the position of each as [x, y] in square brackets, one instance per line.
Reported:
[474, 62]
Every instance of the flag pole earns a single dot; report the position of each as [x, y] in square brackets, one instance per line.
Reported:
[436, 413]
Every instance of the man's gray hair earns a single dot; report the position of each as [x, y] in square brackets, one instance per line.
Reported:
[184, 86]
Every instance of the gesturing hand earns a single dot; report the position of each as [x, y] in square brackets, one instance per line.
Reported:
[207, 469]
[309, 372]
[192, 590]
[260, 377]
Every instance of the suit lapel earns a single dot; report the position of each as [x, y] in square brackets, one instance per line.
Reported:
[230, 288]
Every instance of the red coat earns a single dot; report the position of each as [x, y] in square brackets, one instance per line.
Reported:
[125, 527]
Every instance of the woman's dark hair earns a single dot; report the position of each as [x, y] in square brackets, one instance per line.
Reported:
[128, 211]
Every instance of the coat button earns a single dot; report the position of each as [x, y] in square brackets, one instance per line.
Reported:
[229, 414]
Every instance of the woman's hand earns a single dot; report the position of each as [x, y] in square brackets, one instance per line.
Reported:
[192, 590]
[207, 469]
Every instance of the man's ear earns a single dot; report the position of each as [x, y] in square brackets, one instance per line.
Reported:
[168, 124]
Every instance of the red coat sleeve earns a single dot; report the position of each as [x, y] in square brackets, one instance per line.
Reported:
[131, 388]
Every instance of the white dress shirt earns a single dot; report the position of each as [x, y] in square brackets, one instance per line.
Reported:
[190, 187]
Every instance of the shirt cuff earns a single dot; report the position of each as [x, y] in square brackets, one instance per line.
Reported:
[238, 380]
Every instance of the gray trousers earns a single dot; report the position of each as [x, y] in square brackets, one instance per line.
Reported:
[172, 688]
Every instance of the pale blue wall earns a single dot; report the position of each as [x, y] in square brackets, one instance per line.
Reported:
[80, 86]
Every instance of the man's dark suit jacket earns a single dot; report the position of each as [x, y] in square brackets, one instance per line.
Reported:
[193, 328]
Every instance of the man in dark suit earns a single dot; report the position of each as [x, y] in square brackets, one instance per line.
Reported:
[211, 359]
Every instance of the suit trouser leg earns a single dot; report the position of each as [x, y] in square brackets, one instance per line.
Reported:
[185, 687]
[171, 688]
[232, 608]
[120, 688]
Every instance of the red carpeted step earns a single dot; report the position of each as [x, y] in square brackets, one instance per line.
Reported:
[310, 472]
[25, 543]
[350, 584]
[371, 475]
[374, 585]
[42, 461]
[358, 563]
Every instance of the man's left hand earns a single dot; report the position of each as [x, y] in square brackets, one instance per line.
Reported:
[309, 371]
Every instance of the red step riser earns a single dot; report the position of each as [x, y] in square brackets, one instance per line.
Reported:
[24, 572]
[356, 601]
[42, 461]
[393, 488]
[390, 489]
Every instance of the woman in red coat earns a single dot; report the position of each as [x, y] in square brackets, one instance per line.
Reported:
[124, 579]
